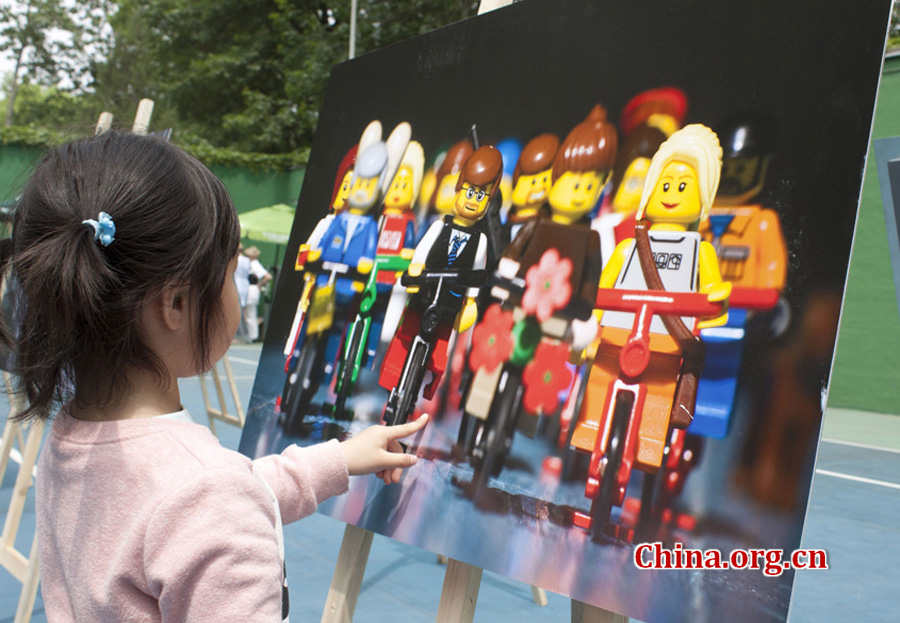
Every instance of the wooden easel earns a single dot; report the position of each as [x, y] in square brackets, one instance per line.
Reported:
[28, 438]
[23, 568]
[221, 412]
[458, 596]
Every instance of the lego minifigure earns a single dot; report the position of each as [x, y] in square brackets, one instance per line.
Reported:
[647, 120]
[531, 181]
[752, 256]
[637, 412]
[338, 201]
[397, 237]
[629, 173]
[442, 287]
[548, 278]
[343, 257]
[663, 108]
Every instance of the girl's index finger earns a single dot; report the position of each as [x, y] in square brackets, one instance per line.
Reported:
[405, 430]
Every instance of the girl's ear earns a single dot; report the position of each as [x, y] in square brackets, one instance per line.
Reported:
[173, 308]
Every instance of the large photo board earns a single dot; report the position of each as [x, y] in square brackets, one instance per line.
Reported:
[548, 460]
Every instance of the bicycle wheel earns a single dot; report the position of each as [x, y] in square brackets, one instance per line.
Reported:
[575, 461]
[349, 367]
[601, 507]
[298, 388]
[412, 383]
[496, 440]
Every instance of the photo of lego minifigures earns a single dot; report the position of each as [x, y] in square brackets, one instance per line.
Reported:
[600, 269]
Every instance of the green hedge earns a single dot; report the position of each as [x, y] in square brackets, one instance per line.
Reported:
[28, 136]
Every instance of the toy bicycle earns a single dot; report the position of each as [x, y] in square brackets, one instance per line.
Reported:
[614, 450]
[306, 367]
[353, 349]
[405, 393]
[487, 441]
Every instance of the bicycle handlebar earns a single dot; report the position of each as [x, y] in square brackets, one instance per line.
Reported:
[753, 298]
[635, 354]
[658, 302]
[338, 268]
[469, 278]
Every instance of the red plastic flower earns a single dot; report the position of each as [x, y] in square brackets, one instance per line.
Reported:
[545, 377]
[491, 341]
[547, 285]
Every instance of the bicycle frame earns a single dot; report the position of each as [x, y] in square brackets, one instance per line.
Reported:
[634, 358]
[392, 263]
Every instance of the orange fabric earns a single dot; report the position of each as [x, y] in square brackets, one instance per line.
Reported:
[759, 230]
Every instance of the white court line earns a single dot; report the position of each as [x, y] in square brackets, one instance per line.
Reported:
[861, 445]
[869, 481]
[239, 360]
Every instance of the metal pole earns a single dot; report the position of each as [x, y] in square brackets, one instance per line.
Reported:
[352, 52]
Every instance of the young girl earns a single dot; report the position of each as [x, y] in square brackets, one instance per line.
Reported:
[124, 248]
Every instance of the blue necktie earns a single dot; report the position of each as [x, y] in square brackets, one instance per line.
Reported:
[454, 249]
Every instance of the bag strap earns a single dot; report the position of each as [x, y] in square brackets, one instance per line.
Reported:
[692, 350]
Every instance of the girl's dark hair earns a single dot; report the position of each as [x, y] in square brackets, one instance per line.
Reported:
[79, 334]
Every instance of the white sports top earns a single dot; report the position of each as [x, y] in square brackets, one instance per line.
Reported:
[677, 257]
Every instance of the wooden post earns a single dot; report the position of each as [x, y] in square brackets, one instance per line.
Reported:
[142, 116]
[29, 586]
[104, 123]
[584, 613]
[490, 5]
[460, 593]
[348, 575]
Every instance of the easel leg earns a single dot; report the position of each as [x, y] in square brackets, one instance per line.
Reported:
[235, 395]
[348, 575]
[460, 593]
[29, 586]
[23, 482]
[584, 613]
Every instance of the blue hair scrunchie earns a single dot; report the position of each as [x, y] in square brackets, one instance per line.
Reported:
[104, 228]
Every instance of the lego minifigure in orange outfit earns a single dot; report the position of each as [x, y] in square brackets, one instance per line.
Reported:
[751, 247]
[752, 256]
[681, 184]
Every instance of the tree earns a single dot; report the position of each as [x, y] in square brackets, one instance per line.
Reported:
[251, 75]
[47, 42]
[51, 107]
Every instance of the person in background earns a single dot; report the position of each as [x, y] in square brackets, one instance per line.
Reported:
[257, 278]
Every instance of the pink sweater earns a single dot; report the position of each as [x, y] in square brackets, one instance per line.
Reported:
[152, 520]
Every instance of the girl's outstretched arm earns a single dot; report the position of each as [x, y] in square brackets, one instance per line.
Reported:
[377, 450]
[302, 478]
